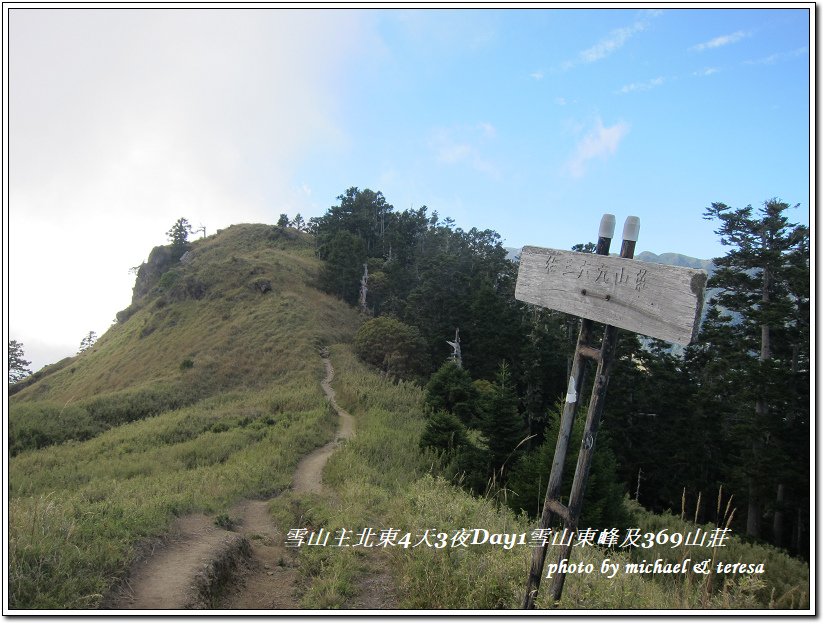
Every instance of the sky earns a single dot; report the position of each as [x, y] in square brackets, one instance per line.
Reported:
[532, 122]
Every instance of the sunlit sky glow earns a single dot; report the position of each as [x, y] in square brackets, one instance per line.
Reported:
[532, 122]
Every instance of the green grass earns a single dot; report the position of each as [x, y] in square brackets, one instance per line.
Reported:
[77, 511]
[131, 439]
[381, 480]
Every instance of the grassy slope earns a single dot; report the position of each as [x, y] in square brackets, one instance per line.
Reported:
[78, 509]
[234, 334]
[381, 480]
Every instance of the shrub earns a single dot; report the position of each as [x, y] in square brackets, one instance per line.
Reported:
[395, 347]
[37, 425]
[450, 389]
[125, 406]
[444, 432]
[168, 279]
[125, 314]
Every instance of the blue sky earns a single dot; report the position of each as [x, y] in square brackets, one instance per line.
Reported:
[531, 122]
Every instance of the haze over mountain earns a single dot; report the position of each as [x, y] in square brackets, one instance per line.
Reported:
[674, 259]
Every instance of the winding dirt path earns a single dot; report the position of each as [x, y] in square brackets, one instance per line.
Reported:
[308, 473]
[182, 572]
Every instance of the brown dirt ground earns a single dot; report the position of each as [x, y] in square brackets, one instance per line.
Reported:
[200, 565]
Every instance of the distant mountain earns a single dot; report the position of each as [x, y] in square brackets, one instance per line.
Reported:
[646, 256]
[677, 260]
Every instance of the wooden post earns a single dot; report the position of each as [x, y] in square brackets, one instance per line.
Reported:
[660, 301]
[553, 490]
[596, 408]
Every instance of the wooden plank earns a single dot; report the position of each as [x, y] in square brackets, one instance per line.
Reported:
[656, 300]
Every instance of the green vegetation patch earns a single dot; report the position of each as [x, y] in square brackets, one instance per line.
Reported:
[382, 480]
[79, 510]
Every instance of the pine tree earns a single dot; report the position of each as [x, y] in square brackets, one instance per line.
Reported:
[179, 237]
[502, 426]
[18, 367]
[764, 283]
[603, 502]
[87, 342]
[341, 274]
[450, 389]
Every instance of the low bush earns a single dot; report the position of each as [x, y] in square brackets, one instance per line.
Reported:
[37, 425]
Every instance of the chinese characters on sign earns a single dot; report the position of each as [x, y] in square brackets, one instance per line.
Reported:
[655, 300]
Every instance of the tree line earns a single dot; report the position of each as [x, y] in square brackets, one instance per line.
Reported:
[727, 417]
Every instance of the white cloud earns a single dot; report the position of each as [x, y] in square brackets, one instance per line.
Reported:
[642, 86]
[462, 146]
[600, 142]
[488, 130]
[778, 57]
[126, 120]
[612, 42]
[720, 41]
[537, 75]
[707, 71]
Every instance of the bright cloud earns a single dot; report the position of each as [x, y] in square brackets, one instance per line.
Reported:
[125, 121]
[778, 57]
[642, 86]
[600, 142]
[607, 46]
[720, 41]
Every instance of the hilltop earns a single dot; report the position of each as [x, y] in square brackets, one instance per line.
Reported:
[234, 313]
[205, 392]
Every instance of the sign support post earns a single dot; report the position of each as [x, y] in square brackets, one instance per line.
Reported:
[593, 421]
[553, 490]
[656, 300]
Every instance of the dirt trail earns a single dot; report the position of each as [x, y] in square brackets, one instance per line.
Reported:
[308, 474]
[199, 556]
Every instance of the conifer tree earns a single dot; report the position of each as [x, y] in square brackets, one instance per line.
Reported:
[764, 284]
[502, 426]
[18, 367]
[450, 389]
[87, 342]
[179, 237]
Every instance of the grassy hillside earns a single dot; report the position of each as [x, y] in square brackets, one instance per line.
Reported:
[211, 311]
[189, 404]
[208, 392]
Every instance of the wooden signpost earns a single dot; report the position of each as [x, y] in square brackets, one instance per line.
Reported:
[652, 299]
[655, 300]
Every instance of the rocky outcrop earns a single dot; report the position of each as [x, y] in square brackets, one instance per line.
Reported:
[160, 260]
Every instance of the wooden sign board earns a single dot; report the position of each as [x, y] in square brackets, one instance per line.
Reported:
[656, 300]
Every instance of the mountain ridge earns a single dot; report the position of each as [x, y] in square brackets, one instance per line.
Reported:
[670, 258]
